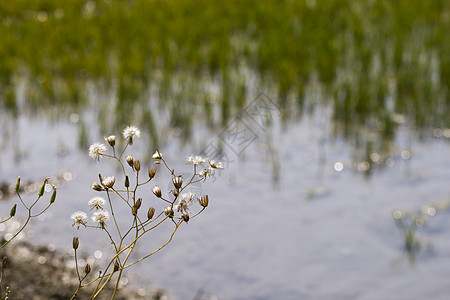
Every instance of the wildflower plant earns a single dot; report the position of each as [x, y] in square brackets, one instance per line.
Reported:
[31, 213]
[138, 207]
[29, 207]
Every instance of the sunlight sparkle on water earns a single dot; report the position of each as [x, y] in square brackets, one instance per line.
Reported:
[397, 214]
[429, 210]
[74, 118]
[338, 166]
[98, 254]
[375, 157]
[390, 162]
[405, 154]
[363, 166]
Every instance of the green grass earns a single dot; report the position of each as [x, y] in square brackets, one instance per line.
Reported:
[360, 53]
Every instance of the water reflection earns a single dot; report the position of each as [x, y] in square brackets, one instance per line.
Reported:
[409, 224]
[372, 61]
[374, 74]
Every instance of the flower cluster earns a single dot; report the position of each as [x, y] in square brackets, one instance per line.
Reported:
[208, 171]
[100, 216]
[178, 209]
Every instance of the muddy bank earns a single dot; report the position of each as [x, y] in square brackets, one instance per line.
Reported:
[36, 272]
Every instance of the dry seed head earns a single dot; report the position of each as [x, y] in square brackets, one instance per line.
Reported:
[177, 182]
[151, 173]
[175, 192]
[185, 217]
[87, 269]
[137, 165]
[169, 211]
[78, 218]
[150, 213]
[131, 131]
[97, 203]
[111, 140]
[97, 187]
[97, 150]
[203, 201]
[109, 181]
[157, 191]
[75, 243]
[127, 181]
[130, 161]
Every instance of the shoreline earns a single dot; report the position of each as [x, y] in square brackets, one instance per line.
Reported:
[36, 272]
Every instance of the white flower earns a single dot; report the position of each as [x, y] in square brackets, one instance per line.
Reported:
[78, 218]
[111, 140]
[183, 202]
[97, 150]
[215, 165]
[109, 181]
[206, 173]
[195, 160]
[157, 155]
[130, 132]
[101, 217]
[96, 202]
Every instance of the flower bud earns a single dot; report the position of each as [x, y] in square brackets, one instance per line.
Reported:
[87, 269]
[150, 213]
[137, 165]
[134, 210]
[4, 262]
[169, 211]
[130, 161]
[12, 212]
[109, 181]
[127, 181]
[151, 173]
[157, 155]
[203, 201]
[177, 182]
[18, 184]
[138, 203]
[111, 140]
[185, 217]
[97, 187]
[75, 243]
[53, 196]
[42, 189]
[116, 266]
[157, 191]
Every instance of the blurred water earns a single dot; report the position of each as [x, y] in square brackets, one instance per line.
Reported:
[320, 230]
